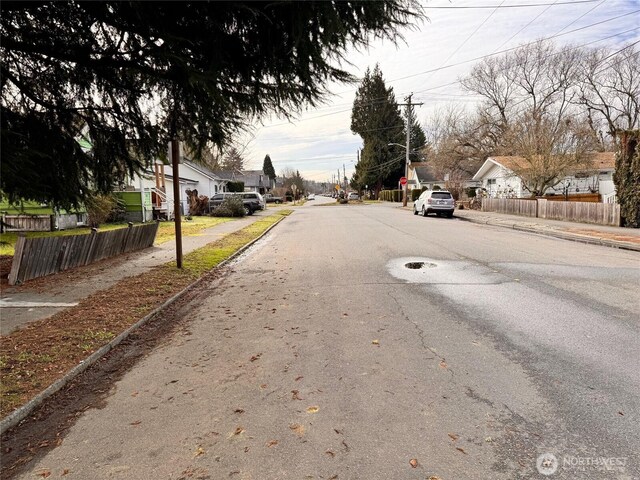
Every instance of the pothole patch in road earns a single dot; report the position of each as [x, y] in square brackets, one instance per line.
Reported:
[430, 271]
[419, 265]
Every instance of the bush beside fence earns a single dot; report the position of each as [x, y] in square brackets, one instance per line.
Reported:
[37, 257]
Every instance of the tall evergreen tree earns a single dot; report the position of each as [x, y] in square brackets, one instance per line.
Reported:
[377, 119]
[627, 177]
[134, 75]
[267, 167]
[233, 161]
[418, 139]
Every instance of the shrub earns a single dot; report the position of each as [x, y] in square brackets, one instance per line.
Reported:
[235, 186]
[415, 193]
[99, 207]
[231, 206]
[390, 195]
[118, 212]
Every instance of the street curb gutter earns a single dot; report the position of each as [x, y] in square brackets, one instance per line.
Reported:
[19, 414]
[558, 234]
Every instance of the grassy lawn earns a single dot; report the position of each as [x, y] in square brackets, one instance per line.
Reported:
[165, 233]
[37, 355]
[190, 228]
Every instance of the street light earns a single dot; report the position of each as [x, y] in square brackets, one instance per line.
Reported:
[406, 171]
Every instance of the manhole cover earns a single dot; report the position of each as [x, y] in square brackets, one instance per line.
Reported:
[419, 265]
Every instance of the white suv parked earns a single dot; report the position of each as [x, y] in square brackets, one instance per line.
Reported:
[439, 202]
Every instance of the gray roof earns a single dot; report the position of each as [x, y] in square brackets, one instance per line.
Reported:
[425, 173]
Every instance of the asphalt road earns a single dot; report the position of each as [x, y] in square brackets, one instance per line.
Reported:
[321, 355]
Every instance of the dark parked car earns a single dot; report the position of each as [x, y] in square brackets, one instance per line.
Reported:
[252, 201]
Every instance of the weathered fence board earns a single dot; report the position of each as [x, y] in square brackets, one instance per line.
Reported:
[512, 206]
[584, 212]
[37, 257]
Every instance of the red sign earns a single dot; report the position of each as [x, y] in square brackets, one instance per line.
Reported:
[403, 181]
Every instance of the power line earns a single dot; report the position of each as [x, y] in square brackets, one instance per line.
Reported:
[469, 37]
[513, 48]
[522, 5]
[580, 17]
[455, 82]
[523, 28]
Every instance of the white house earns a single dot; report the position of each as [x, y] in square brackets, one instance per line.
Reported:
[498, 177]
[159, 181]
[421, 175]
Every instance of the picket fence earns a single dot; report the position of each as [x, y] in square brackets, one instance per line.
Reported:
[585, 212]
[37, 257]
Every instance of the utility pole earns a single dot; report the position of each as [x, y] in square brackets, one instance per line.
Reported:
[344, 172]
[175, 160]
[408, 148]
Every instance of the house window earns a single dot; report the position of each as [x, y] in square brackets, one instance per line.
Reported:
[491, 181]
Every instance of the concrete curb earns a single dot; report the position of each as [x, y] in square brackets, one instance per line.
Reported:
[19, 414]
[604, 242]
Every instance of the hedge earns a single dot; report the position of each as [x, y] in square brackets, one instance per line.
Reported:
[415, 193]
[390, 195]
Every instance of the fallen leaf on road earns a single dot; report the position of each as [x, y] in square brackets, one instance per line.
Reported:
[330, 453]
[433, 477]
[297, 428]
[134, 394]
[137, 422]
[414, 463]
[238, 431]
[199, 451]
[345, 314]
[44, 473]
[313, 409]
[255, 357]
[620, 413]
[488, 439]
[238, 410]
[263, 386]
[299, 378]
[376, 342]
[443, 364]
[272, 443]
[295, 395]
[461, 449]
[64, 472]
[453, 436]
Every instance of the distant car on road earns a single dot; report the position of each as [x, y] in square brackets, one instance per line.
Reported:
[353, 196]
[311, 196]
[270, 198]
[439, 202]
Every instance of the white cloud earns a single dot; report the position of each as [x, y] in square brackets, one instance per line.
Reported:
[320, 141]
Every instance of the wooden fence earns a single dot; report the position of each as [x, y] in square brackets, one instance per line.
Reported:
[28, 223]
[37, 257]
[512, 206]
[600, 213]
[585, 212]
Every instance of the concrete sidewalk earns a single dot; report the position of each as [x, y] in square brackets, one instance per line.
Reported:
[23, 304]
[616, 237]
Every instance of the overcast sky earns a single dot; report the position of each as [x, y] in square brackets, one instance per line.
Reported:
[320, 140]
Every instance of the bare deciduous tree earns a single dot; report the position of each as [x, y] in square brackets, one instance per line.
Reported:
[610, 88]
[550, 150]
